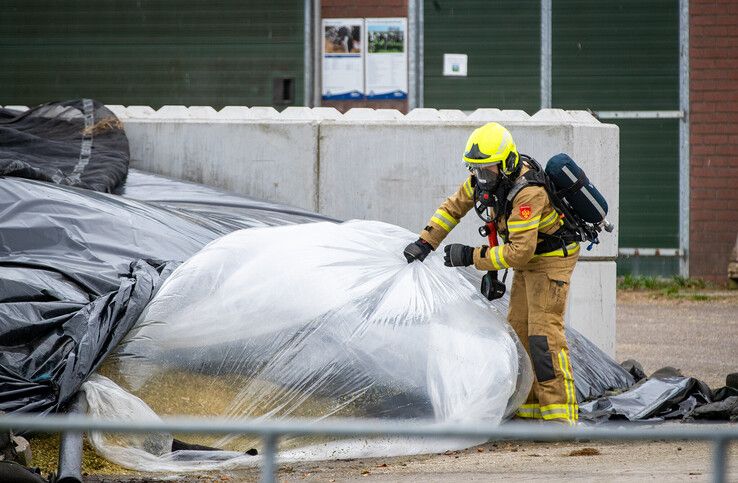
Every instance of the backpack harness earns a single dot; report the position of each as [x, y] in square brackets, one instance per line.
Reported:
[574, 228]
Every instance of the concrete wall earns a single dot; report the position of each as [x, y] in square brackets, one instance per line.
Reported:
[591, 306]
[378, 164]
[242, 150]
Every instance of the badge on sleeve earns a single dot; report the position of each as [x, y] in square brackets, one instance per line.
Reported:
[525, 211]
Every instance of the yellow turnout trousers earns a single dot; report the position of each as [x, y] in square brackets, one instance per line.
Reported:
[537, 304]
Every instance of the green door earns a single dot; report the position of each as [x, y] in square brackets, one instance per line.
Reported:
[230, 52]
[623, 55]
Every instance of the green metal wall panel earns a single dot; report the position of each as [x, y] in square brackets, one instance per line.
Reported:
[150, 52]
[649, 183]
[619, 55]
[502, 41]
[623, 55]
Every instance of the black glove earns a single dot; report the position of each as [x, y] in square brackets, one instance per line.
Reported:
[417, 250]
[458, 255]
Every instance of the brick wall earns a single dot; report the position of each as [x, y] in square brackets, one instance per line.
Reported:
[364, 9]
[713, 59]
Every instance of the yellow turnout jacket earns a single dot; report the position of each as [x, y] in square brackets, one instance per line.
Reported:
[532, 213]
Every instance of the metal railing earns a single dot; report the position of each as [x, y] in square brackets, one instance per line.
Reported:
[271, 431]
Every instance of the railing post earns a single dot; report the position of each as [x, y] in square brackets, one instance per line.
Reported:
[720, 451]
[269, 459]
[70, 447]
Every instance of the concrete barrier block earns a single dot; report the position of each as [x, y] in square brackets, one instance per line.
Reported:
[147, 146]
[234, 113]
[327, 113]
[452, 114]
[263, 113]
[552, 116]
[484, 115]
[509, 115]
[406, 170]
[423, 114]
[202, 112]
[370, 114]
[584, 117]
[596, 148]
[389, 115]
[140, 112]
[269, 160]
[361, 114]
[298, 113]
[591, 308]
[120, 111]
[172, 112]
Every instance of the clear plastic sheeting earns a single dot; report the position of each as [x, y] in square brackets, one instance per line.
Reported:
[314, 321]
[154, 452]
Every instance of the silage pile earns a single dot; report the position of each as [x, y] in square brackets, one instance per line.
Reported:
[313, 321]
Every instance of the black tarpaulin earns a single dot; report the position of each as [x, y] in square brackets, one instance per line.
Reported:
[57, 329]
[725, 407]
[666, 394]
[77, 268]
[76, 143]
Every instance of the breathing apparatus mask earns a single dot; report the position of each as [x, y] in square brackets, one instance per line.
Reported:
[489, 190]
[487, 180]
[494, 180]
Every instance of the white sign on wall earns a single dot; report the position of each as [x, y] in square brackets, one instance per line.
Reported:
[386, 58]
[343, 58]
[454, 64]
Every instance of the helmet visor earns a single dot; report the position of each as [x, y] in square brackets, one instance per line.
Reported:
[486, 178]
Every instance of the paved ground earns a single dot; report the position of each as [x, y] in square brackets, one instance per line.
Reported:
[699, 337]
[526, 462]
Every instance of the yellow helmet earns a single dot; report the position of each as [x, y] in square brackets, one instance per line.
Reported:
[491, 144]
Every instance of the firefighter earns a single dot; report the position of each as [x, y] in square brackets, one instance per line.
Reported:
[534, 247]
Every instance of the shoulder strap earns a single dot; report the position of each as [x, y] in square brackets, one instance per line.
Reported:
[535, 176]
[517, 187]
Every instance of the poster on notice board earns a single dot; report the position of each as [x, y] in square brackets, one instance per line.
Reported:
[343, 59]
[386, 58]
